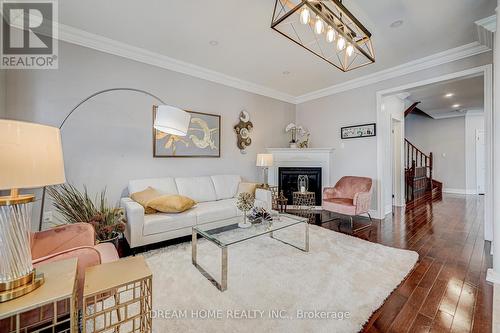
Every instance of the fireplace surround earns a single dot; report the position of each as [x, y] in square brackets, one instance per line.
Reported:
[307, 158]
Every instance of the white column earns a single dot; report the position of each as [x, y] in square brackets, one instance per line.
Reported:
[494, 274]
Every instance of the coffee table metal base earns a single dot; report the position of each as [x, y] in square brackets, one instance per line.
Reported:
[222, 285]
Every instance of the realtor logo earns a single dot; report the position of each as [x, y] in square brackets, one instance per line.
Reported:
[29, 34]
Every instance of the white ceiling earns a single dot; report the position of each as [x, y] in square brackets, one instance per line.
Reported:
[250, 50]
[468, 93]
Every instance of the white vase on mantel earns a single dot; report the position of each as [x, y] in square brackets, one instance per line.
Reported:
[293, 145]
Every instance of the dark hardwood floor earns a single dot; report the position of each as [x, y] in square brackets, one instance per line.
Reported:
[447, 290]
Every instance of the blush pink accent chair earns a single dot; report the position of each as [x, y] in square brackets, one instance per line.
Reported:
[351, 196]
[71, 241]
[59, 243]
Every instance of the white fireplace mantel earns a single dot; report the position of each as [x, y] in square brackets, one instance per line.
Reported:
[302, 157]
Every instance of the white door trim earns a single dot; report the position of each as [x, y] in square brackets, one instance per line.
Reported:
[478, 132]
[487, 72]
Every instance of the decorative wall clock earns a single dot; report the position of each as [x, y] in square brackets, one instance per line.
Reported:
[242, 130]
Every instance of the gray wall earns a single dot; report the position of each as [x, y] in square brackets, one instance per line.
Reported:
[474, 122]
[109, 139]
[325, 116]
[445, 138]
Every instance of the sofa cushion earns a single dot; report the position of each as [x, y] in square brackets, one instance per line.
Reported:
[144, 196]
[200, 189]
[247, 187]
[212, 211]
[226, 186]
[163, 185]
[171, 203]
[158, 223]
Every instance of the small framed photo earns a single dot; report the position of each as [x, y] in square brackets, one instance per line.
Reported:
[358, 131]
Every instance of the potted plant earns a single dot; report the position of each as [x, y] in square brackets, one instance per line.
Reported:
[76, 206]
[295, 131]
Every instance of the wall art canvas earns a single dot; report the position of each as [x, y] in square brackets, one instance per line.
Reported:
[202, 139]
[358, 131]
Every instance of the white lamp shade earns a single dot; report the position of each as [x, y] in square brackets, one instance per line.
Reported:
[264, 160]
[172, 120]
[31, 155]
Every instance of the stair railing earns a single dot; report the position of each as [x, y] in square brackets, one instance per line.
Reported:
[418, 170]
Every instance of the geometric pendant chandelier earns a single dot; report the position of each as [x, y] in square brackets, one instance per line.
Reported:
[327, 29]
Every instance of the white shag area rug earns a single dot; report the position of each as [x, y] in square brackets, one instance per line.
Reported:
[273, 287]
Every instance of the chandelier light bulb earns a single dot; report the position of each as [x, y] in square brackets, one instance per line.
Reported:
[305, 15]
[341, 43]
[350, 50]
[318, 26]
[330, 35]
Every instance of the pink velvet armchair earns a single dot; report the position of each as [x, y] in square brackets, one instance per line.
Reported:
[351, 196]
[71, 241]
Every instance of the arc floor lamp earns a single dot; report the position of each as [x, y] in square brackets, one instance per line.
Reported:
[33, 158]
[169, 119]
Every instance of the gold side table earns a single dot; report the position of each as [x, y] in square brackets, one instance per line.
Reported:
[117, 297]
[303, 203]
[304, 199]
[50, 308]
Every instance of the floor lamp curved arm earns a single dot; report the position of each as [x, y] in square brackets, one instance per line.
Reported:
[169, 120]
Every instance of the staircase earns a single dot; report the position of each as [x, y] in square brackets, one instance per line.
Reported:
[419, 184]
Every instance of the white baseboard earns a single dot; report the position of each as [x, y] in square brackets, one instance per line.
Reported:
[388, 209]
[374, 214]
[460, 191]
[492, 276]
[454, 191]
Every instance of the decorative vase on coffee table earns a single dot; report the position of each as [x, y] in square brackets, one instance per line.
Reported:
[244, 203]
[245, 224]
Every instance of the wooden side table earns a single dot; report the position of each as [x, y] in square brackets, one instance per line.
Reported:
[50, 308]
[117, 297]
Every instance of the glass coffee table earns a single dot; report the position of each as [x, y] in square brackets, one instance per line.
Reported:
[230, 234]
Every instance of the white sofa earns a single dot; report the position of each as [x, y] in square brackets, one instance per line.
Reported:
[216, 205]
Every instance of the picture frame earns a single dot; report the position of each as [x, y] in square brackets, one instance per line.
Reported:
[202, 140]
[358, 131]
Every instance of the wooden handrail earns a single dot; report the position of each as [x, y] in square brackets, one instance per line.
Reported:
[411, 108]
[419, 167]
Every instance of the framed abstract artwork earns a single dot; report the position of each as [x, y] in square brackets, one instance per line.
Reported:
[202, 139]
[358, 131]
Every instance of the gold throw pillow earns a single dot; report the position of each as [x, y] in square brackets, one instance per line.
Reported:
[247, 187]
[143, 197]
[172, 203]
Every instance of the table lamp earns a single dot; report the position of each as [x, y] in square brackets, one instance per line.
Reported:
[265, 161]
[31, 157]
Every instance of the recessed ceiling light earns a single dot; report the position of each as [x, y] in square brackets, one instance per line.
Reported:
[397, 24]
[286, 72]
[455, 106]
[213, 43]
[448, 95]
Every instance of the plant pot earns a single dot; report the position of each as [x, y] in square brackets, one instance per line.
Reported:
[114, 240]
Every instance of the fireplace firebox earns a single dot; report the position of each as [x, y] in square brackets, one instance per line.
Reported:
[288, 178]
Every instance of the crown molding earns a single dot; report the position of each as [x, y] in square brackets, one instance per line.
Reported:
[83, 38]
[107, 45]
[485, 29]
[440, 58]
[489, 23]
